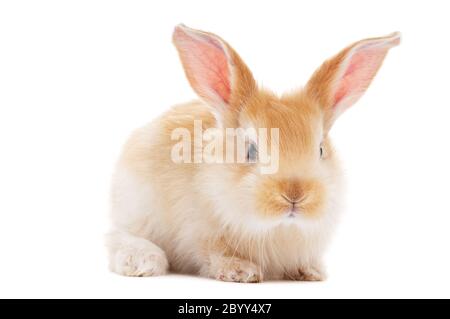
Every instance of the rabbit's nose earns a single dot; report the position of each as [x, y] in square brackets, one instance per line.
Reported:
[292, 191]
[292, 200]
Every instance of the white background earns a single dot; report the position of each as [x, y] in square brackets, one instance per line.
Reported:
[77, 76]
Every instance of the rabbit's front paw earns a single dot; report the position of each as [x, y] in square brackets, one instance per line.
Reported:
[308, 273]
[140, 263]
[238, 270]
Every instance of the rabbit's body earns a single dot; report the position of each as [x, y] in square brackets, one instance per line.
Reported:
[178, 208]
[233, 220]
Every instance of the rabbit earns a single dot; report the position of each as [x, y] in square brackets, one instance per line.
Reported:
[228, 221]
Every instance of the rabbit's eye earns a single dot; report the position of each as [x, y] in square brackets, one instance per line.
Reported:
[252, 153]
[321, 151]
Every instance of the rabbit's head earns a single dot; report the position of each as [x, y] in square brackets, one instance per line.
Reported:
[305, 183]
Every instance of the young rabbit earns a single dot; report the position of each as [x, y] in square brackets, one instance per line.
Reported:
[230, 221]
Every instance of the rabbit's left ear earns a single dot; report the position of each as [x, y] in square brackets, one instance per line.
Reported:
[343, 79]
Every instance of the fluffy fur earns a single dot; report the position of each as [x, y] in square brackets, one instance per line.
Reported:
[228, 221]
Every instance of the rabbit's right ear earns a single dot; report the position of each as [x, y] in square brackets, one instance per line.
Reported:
[215, 71]
[343, 79]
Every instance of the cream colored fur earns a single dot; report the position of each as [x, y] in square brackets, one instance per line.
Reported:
[162, 211]
[227, 221]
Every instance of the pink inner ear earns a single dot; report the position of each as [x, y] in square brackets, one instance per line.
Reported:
[206, 64]
[360, 71]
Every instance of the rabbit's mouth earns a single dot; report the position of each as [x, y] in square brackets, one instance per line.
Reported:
[294, 210]
[293, 205]
[293, 213]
